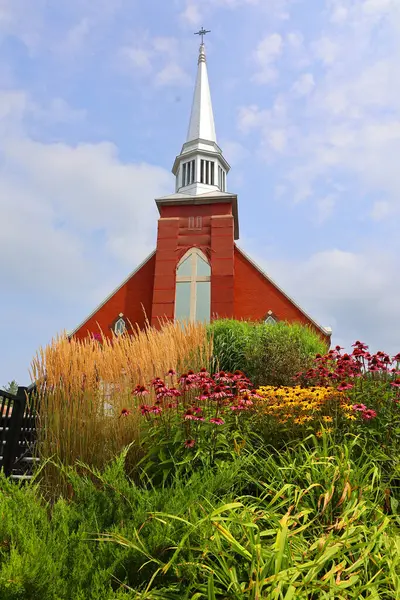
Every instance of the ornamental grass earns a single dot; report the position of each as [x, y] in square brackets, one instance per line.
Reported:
[85, 386]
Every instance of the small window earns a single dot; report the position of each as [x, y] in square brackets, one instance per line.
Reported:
[271, 319]
[120, 325]
[207, 172]
[188, 173]
[195, 223]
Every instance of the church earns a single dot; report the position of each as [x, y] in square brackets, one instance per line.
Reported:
[197, 272]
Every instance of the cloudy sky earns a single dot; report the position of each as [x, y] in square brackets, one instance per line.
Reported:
[94, 105]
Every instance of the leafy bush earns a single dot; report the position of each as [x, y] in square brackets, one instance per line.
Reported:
[268, 354]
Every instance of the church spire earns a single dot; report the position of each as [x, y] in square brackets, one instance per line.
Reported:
[201, 123]
[200, 168]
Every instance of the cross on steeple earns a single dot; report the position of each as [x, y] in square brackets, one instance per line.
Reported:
[202, 32]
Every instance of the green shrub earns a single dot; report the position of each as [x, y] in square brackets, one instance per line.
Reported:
[268, 354]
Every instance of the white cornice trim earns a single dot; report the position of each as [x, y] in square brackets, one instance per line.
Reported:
[327, 331]
[71, 333]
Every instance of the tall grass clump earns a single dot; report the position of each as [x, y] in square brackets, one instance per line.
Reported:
[268, 354]
[84, 387]
[230, 344]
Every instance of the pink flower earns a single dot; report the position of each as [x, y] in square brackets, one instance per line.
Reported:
[217, 421]
[219, 392]
[344, 386]
[396, 358]
[189, 416]
[359, 407]
[204, 373]
[140, 390]
[189, 443]
[368, 414]
[171, 373]
[156, 410]
[175, 392]
[162, 391]
[124, 412]
[204, 396]
[396, 383]
[144, 409]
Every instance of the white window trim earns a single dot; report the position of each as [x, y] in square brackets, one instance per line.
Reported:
[193, 278]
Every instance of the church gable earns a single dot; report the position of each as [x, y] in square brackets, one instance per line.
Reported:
[129, 303]
[258, 298]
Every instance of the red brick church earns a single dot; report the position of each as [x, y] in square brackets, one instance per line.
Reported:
[196, 272]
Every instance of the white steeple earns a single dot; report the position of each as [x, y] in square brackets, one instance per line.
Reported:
[200, 168]
[202, 119]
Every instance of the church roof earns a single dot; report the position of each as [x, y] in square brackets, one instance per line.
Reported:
[209, 194]
[327, 331]
[131, 274]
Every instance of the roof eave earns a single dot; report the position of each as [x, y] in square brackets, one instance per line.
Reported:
[327, 331]
[142, 264]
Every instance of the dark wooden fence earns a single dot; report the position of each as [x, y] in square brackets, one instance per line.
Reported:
[18, 422]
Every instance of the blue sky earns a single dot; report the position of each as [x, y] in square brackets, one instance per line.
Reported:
[94, 106]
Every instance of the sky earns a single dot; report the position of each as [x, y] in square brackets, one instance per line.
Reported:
[95, 100]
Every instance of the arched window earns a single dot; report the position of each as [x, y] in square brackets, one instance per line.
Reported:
[120, 325]
[193, 287]
[271, 319]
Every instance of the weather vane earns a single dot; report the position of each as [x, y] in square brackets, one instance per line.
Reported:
[202, 32]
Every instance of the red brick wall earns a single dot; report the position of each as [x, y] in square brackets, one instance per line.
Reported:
[174, 239]
[137, 291]
[255, 296]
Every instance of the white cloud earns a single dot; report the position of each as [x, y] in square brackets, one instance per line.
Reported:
[195, 11]
[234, 152]
[68, 208]
[172, 74]
[326, 50]
[266, 54]
[380, 210]
[158, 58]
[304, 84]
[350, 124]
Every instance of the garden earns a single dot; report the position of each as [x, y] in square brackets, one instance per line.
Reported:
[230, 461]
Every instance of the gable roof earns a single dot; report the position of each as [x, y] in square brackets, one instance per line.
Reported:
[71, 333]
[327, 331]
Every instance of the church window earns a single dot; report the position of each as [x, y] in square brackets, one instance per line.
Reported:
[188, 173]
[207, 172]
[221, 179]
[193, 287]
[270, 319]
[195, 223]
[120, 325]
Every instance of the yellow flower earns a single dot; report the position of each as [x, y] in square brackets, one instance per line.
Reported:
[327, 419]
[351, 417]
[319, 434]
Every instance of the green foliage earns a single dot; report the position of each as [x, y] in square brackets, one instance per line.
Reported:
[11, 387]
[312, 521]
[231, 340]
[268, 354]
